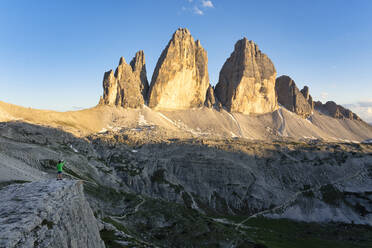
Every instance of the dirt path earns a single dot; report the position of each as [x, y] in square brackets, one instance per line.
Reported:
[136, 208]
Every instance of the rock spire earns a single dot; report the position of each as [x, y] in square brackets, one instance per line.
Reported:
[291, 98]
[128, 86]
[180, 79]
[247, 80]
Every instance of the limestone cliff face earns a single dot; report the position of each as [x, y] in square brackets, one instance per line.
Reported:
[210, 99]
[128, 86]
[180, 79]
[291, 98]
[45, 214]
[247, 80]
[306, 93]
[336, 111]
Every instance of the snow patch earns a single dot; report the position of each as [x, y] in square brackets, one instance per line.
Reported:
[75, 150]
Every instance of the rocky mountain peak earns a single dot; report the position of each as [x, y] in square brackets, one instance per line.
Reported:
[122, 61]
[247, 80]
[336, 111]
[306, 93]
[180, 78]
[291, 98]
[138, 65]
[128, 86]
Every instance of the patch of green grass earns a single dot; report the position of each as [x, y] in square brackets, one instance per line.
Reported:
[158, 176]
[331, 195]
[168, 224]
[284, 233]
[110, 239]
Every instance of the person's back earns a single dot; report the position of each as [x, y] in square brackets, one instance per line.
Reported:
[60, 165]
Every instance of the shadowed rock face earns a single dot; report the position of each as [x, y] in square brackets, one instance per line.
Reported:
[180, 79]
[336, 111]
[247, 80]
[210, 99]
[305, 92]
[291, 98]
[128, 86]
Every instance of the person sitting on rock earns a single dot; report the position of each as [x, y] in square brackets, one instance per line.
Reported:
[60, 165]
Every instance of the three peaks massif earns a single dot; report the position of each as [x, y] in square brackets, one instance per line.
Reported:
[249, 101]
[247, 82]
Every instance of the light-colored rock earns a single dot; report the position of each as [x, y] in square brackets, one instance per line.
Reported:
[47, 214]
[138, 65]
[128, 86]
[247, 81]
[180, 79]
[291, 98]
[210, 99]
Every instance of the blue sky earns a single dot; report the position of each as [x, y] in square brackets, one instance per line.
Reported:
[53, 53]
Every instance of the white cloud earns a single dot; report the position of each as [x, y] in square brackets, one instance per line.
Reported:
[207, 4]
[363, 109]
[198, 11]
[324, 95]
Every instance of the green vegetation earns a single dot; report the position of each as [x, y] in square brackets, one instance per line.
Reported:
[47, 223]
[331, 195]
[290, 234]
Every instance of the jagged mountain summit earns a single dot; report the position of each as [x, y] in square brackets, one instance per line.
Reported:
[289, 96]
[336, 111]
[128, 86]
[247, 80]
[180, 79]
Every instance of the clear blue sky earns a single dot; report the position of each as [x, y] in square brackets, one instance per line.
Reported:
[53, 53]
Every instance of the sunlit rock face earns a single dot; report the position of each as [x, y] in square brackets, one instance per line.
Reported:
[247, 81]
[128, 86]
[180, 79]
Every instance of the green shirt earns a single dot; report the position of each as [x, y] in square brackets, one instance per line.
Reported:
[60, 166]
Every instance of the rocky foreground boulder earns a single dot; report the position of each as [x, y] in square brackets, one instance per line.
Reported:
[247, 80]
[180, 79]
[128, 86]
[291, 98]
[47, 213]
[336, 111]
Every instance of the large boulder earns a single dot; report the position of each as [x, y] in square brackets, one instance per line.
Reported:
[336, 111]
[291, 98]
[128, 86]
[247, 80]
[180, 79]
